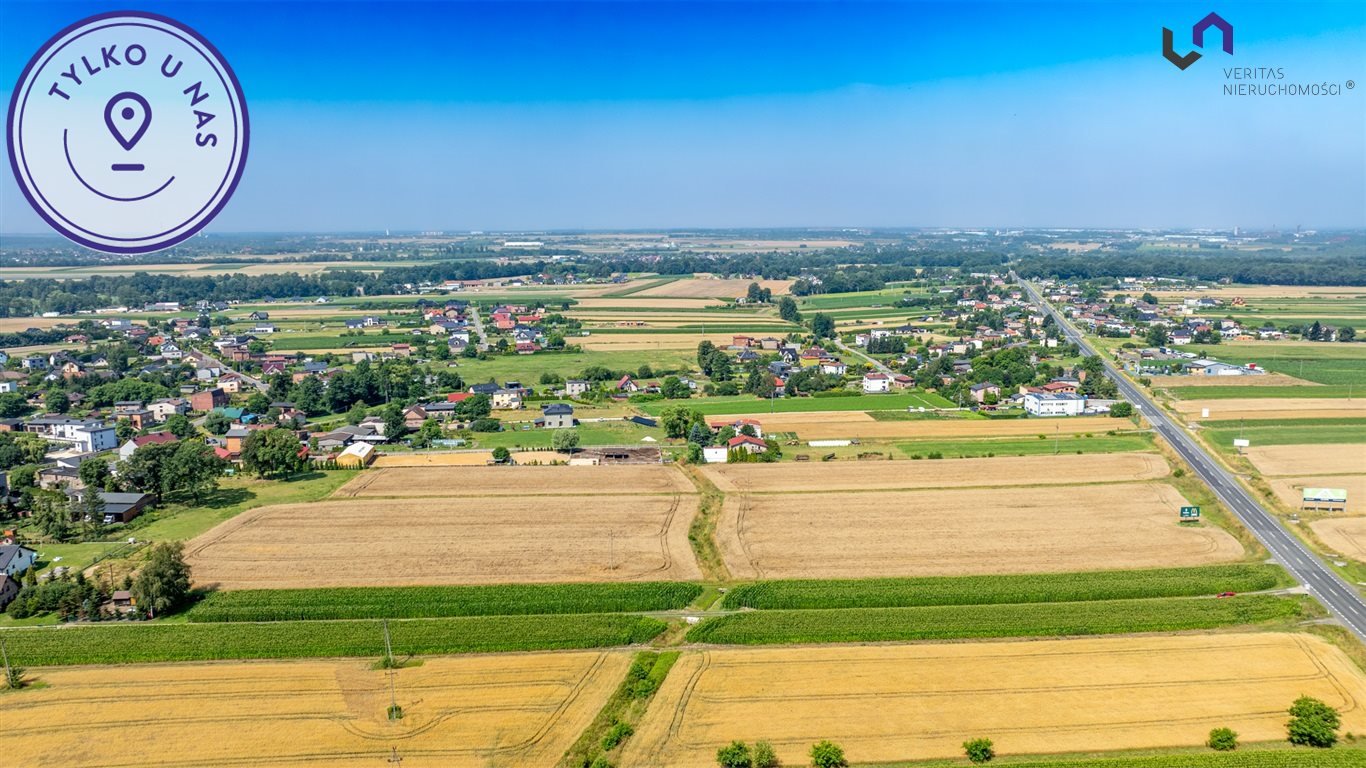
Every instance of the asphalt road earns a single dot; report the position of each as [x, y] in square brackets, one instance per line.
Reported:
[1342, 599]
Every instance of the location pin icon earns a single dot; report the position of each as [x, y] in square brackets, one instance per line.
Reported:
[127, 116]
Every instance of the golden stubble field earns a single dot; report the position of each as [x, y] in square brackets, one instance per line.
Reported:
[1228, 292]
[889, 703]
[1321, 459]
[948, 473]
[1289, 489]
[518, 481]
[450, 540]
[840, 425]
[967, 531]
[1345, 536]
[711, 288]
[473, 711]
[1273, 408]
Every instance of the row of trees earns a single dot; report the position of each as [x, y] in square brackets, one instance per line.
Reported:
[1312, 723]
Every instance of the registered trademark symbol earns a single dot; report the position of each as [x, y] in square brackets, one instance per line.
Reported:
[1351, 84]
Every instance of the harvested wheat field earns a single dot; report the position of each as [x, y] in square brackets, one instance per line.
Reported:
[640, 301]
[456, 459]
[960, 532]
[450, 541]
[1274, 408]
[949, 473]
[518, 481]
[1289, 489]
[1322, 459]
[644, 342]
[712, 288]
[523, 709]
[1344, 536]
[839, 425]
[892, 703]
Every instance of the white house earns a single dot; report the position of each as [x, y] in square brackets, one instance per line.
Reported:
[86, 435]
[1054, 404]
[170, 351]
[874, 383]
[506, 400]
[714, 454]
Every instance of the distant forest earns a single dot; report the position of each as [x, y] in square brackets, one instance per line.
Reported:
[840, 270]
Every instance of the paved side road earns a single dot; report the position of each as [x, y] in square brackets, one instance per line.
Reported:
[1342, 599]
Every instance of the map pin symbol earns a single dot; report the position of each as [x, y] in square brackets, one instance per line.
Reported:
[127, 116]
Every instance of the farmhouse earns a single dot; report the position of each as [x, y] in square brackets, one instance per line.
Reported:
[747, 444]
[739, 426]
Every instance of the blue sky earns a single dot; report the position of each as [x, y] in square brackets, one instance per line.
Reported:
[514, 115]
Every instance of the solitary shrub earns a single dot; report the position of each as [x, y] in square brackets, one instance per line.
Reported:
[826, 754]
[617, 734]
[1223, 739]
[764, 756]
[1313, 723]
[979, 750]
[735, 755]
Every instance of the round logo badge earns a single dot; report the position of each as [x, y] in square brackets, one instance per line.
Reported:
[128, 132]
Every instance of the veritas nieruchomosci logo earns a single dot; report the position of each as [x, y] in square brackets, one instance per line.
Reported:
[1198, 39]
[127, 132]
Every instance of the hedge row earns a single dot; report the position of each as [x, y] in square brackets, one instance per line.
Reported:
[434, 602]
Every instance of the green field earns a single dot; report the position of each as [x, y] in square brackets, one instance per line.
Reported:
[129, 643]
[528, 368]
[1234, 391]
[716, 406]
[885, 297]
[433, 602]
[869, 625]
[1319, 362]
[987, 590]
[1285, 432]
[954, 449]
[590, 433]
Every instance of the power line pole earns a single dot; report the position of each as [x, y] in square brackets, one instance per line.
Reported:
[394, 758]
[388, 648]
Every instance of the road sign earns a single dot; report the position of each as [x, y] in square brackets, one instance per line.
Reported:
[1240, 443]
[1190, 513]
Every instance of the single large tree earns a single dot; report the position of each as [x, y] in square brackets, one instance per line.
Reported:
[565, 440]
[163, 582]
[272, 452]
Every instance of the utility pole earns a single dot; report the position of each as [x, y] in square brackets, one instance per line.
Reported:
[1057, 429]
[611, 550]
[4, 653]
[394, 758]
[388, 648]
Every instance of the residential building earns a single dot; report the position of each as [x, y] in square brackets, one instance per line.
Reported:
[747, 444]
[876, 383]
[129, 446]
[980, 392]
[208, 399]
[85, 435]
[576, 387]
[15, 559]
[506, 400]
[557, 416]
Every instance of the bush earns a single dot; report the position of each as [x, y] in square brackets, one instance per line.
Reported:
[764, 756]
[979, 750]
[826, 754]
[1222, 739]
[1313, 723]
[734, 755]
[618, 733]
[1122, 410]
